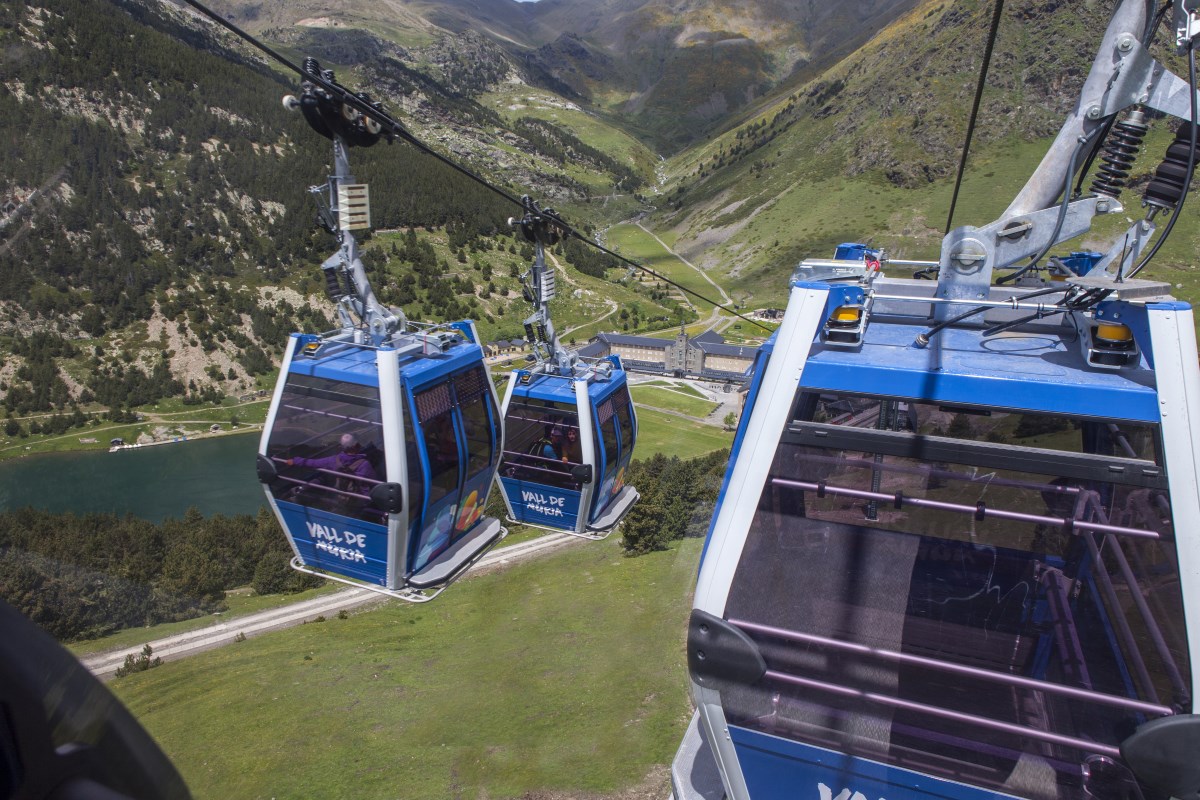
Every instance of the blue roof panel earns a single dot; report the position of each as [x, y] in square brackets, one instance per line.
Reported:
[547, 387]
[358, 364]
[1031, 371]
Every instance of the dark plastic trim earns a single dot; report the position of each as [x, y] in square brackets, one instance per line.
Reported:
[1163, 755]
[719, 653]
[388, 497]
[265, 467]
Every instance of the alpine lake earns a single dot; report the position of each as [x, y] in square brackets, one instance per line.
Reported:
[216, 475]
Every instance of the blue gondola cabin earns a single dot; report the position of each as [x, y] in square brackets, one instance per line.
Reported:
[378, 461]
[569, 441]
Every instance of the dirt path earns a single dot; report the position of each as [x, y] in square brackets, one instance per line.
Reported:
[725, 298]
[612, 304]
[224, 632]
[148, 418]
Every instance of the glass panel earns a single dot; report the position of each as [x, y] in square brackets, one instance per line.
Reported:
[621, 403]
[441, 443]
[541, 441]
[478, 416]
[416, 477]
[478, 411]
[1022, 620]
[326, 444]
[441, 434]
[612, 450]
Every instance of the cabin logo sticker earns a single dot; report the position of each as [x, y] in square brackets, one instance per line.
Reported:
[549, 505]
[345, 545]
[471, 511]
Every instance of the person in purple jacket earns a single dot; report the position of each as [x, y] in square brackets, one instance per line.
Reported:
[350, 459]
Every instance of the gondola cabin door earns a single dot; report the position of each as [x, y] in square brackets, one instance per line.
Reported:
[615, 432]
[452, 447]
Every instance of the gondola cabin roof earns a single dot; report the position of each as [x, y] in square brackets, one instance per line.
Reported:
[1038, 367]
[358, 364]
[561, 388]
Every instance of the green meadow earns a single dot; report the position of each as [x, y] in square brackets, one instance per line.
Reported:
[672, 400]
[671, 435]
[634, 243]
[563, 675]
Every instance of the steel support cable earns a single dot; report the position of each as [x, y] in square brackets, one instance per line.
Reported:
[983, 71]
[1191, 167]
[652, 273]
[391, 125]
[923, 338]
[394, 128]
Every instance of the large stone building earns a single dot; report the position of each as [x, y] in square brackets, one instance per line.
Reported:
[705, 356]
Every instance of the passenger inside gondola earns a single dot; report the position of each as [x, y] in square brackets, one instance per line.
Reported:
[572, 452]
[343, 479]
[325, 444]
[542, 445]
[551, 445]
[350, 460]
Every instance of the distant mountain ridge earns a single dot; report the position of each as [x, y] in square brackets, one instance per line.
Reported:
[165, 174]
[671, 69]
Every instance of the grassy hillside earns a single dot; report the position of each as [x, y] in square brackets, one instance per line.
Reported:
[562, 676]
[162, 244]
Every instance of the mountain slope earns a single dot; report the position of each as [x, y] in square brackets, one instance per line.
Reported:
[867, 149]
[671, 69]
[156, 237]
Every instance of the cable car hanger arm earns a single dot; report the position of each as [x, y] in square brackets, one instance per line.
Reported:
[1123, 75]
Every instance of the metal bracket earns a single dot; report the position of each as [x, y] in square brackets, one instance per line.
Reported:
[969, 255]
[1125, 252]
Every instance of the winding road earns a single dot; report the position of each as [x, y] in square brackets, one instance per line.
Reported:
[612, 304]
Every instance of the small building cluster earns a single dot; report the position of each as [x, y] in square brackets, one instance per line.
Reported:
[705, 356]
[503, 346]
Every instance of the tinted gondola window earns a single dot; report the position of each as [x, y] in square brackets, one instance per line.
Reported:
[1013, 575]
[440, 432]
[416, 475]
[537, 438]
[434, 410]
[607, 427]
[624, 413]
[478, 415]
[332, 434]
[478, 411]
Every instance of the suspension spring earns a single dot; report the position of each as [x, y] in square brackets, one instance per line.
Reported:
[332, 287]
[1120, 150]
[1166, 189]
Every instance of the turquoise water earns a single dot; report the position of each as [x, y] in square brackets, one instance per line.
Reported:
[215, 475]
